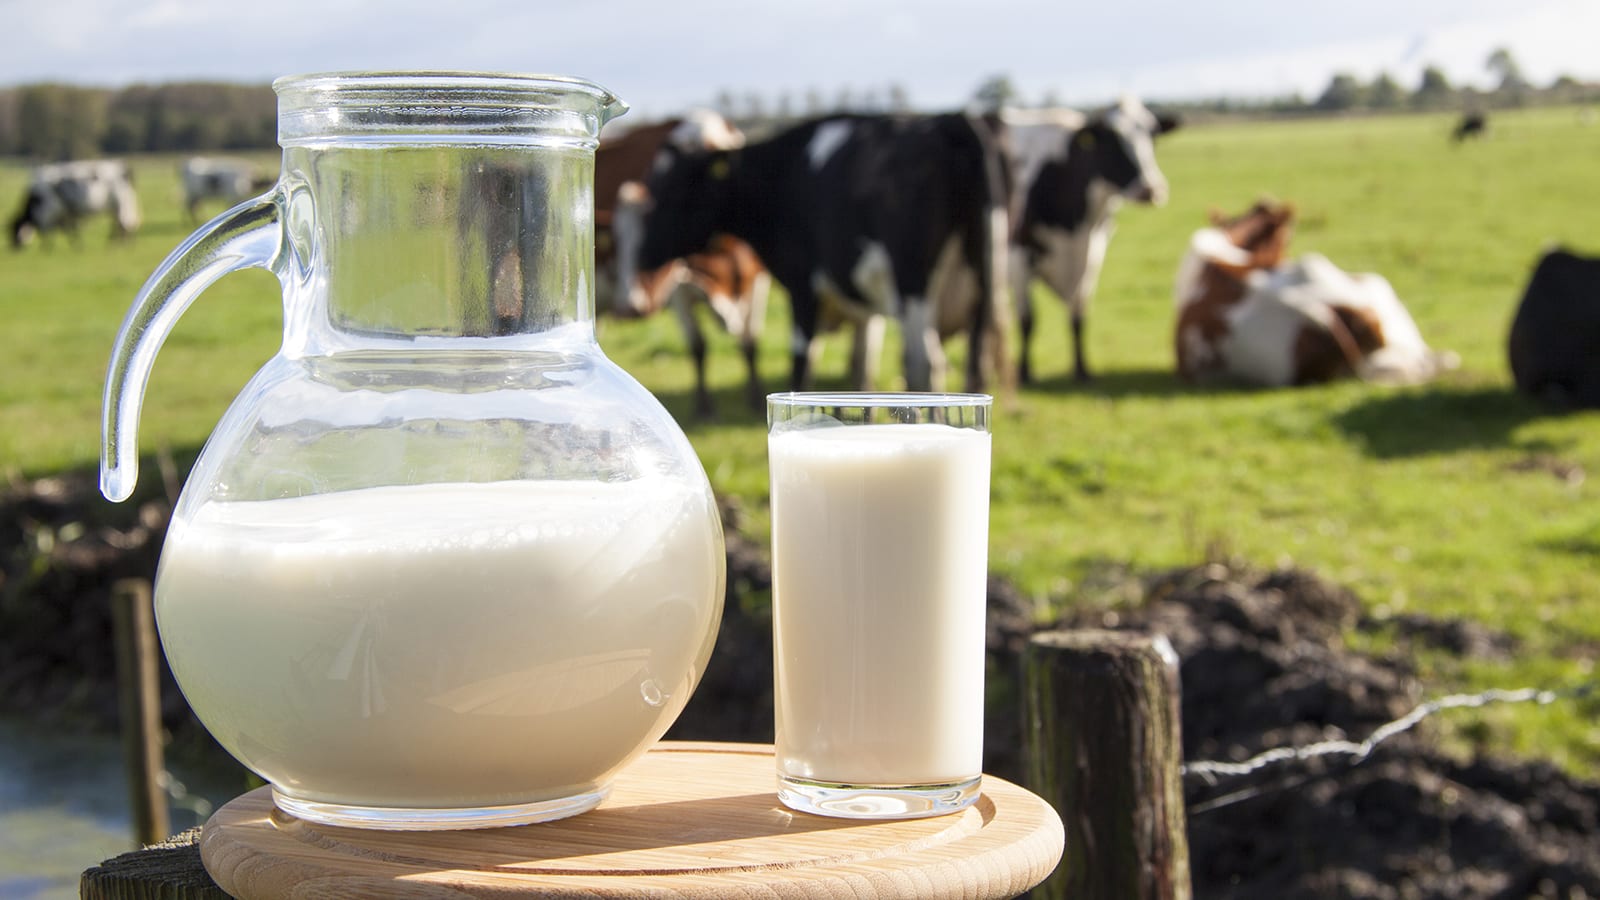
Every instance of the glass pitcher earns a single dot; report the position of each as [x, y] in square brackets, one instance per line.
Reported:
[442, 564]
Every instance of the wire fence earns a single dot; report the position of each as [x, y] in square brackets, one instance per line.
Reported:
[1213, 771]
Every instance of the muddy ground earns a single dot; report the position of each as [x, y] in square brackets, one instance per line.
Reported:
[1264, 664]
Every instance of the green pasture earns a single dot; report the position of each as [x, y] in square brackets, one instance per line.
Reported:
[1458, 498]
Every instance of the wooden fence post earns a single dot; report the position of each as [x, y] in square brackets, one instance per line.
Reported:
[139, 697]
[1102, 744]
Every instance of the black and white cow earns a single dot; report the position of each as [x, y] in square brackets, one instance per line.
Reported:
[227, 180]
[61, 194]
[1554, 345]
[864, 216]
[1071, 172]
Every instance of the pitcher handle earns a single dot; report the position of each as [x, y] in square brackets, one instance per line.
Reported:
[249, 235]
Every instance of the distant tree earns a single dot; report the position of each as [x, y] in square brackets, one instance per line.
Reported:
[10, 100]
[1343, 92]
[814, 102]
[1385, 92]
[125, 132]
[1434, 89]
[755, 106]
[1564, 89]
[59, 122]
[724, 102]
[899, 98]
[995, 92]
[1504, 66]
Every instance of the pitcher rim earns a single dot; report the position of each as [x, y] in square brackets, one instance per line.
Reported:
[442, 106]
[456, 79]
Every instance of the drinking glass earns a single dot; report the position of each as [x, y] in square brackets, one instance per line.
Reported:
[880, 530]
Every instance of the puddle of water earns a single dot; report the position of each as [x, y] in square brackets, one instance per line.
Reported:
[64, 806]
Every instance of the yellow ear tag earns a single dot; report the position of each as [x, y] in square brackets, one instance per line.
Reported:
[719, 168]
[1085, 140]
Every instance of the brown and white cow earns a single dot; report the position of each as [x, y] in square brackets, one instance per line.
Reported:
[1247, 314]
[725, 275]
[61, 195]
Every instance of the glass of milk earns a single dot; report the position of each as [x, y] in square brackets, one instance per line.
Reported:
[880, 533]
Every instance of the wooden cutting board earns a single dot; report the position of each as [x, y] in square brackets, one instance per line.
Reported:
[686, 820]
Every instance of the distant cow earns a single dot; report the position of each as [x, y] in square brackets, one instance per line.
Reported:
[726, 274]
[227, 180]
[871, 216]
[61, 195]
[1246, 314]
[1472, 124]
[1554, 345]
[1070, 174]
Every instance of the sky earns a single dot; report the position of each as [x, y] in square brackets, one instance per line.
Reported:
[663, 56]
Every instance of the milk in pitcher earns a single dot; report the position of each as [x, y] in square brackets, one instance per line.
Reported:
[444, 645]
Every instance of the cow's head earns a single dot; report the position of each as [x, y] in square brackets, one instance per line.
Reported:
[1262, 231]
[1121, 141]
[639, 292]
[682, 207]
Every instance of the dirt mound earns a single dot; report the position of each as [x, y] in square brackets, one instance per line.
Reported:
[1263, 665]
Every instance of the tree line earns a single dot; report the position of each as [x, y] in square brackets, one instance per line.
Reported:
[63, 121]
[52, 121]
[1434, 90]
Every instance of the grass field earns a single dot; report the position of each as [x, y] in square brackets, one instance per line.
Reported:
[1454, 499]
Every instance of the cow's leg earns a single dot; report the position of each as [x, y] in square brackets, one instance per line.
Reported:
[1022, 295]
[924, 354]
[683, 303]
[803, 343]
[755, 393]
[1080, 367]
[866, 352]
[750, 338]
[1094, 258]
[982, 351]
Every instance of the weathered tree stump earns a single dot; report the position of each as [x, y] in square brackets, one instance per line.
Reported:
[1102, 744]
[170, 870]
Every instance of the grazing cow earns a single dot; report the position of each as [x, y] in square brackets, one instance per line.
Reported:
[62, 194]
[726, 274]
[866, 216]
[1472, 124]
[1245, 314]
[1070, 174]
[227, 180]
[1554, 346]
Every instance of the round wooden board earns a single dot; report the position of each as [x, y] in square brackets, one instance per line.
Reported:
[686, 820]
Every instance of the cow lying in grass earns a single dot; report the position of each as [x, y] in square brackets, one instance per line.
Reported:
[1245, 313]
